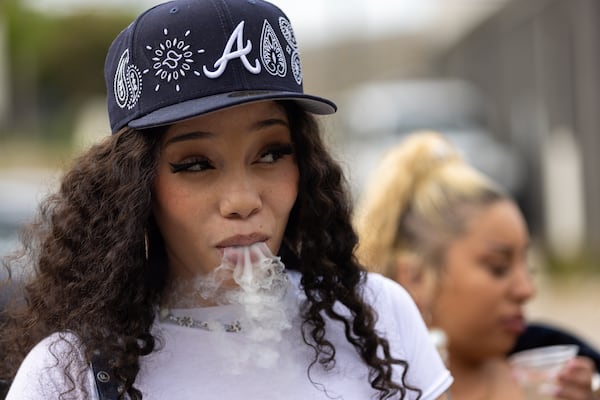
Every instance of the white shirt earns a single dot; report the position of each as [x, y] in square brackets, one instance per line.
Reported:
[192, 363]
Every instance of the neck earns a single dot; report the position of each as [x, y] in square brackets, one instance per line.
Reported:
[473, 379]
[482, 379]
[469, 368]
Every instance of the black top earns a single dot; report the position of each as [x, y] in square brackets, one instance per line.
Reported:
[541, 334]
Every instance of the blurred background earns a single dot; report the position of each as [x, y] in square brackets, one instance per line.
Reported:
[515, 84]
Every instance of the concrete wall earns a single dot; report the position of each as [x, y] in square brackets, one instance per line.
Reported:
[539, 62]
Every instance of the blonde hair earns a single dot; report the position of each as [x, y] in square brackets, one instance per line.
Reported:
[416, 202]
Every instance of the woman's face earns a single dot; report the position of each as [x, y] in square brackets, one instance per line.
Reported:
[484, 283]
[224, 179]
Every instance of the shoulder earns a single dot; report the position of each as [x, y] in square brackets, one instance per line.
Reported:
[54, 366]
[382, 291]
[400, 322]
[56, 347]
[377, 280]
[376, 290]
[398, 317]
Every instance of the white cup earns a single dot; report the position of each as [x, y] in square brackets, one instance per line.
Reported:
[536, 369]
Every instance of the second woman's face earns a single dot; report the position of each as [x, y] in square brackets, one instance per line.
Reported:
[224, 179]
[484, 283]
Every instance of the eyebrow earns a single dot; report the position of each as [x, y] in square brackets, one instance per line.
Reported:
[268, 122]
[505, 250]
[189, 136]
[203, 135]
[500, 250]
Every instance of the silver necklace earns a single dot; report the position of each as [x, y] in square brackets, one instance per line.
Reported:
[189, 322]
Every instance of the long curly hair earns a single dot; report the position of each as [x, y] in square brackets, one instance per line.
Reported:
[92, 276]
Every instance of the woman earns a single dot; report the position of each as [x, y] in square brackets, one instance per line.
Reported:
[459, 245]
[205, 250]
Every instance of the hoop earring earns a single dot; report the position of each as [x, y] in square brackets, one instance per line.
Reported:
[146, 246]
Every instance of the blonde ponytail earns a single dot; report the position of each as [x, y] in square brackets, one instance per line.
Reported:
[422, 179]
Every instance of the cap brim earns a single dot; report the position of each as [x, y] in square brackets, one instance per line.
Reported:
[192, 108]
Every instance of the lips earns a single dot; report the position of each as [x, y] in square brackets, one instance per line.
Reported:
[242, 240]
[515, 324]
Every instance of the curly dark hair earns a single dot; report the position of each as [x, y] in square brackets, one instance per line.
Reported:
[92, 277]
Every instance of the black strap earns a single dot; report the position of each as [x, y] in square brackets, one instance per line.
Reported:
[106, 383]
[542, 334]
[4, 385]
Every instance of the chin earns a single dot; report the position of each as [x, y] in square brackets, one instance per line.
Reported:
[505, 344]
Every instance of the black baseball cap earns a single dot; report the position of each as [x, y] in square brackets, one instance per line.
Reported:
[184, 58]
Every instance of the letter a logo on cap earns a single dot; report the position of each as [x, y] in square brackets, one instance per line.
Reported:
[237, 38]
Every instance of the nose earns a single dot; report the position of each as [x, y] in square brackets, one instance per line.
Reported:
[522, 287]
[241, 198]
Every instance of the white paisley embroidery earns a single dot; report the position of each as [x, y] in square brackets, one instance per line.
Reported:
[127, 84]
[271, 52]
[296, 67]
[172, 58]
[288, 34]
[134, 82]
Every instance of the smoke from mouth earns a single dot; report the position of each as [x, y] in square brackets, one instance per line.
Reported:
[254, 279]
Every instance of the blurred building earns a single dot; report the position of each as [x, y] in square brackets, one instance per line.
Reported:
[379, 114]
[538, 62]
[535, 66]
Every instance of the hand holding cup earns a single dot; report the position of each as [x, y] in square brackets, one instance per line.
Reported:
[539, 372]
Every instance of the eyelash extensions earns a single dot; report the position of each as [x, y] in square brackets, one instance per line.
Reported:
[199, 164]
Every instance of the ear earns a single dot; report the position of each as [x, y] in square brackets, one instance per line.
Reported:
[401, 271]
[407, 270]
[416, 277]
